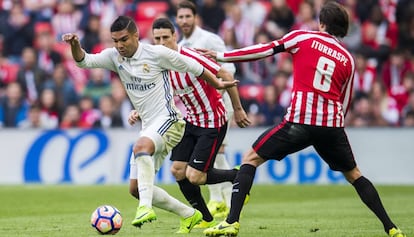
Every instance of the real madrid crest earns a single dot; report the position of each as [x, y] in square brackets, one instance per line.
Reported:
[146, 68]
[120, 59]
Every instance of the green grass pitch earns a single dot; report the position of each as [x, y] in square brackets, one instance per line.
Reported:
[273, 210]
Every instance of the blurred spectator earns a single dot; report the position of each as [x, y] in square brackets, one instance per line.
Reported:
[282, 83]
[91, 33]
[63, 87]
[384, 107]
[107, 10]
[402, 92]
[378, 38]
[121, 102]
[66, 19]
[89, 115]
[353, 39]
[75, 74]
[365, 73]
[45, 41]
[8, 73]
[13, 107]
[30, 76]
[244, 29]
[50, 112]
[254, 11]
[34, 118]
[363, 8]
[17, 31]
[71, 117]
[280, 19]
[361, 114]
[409, 107]
[260, 71]
[212, 8]
[105, 41]
[394, 70]
[271, 111]
[306, 17]
[41, 10]
[405, 20]
[108, 117]
[98, 85]
[408, 120]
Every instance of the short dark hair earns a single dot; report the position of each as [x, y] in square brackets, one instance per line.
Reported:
[122, 23]
[335, 18]
[163, 23]
[187, 4]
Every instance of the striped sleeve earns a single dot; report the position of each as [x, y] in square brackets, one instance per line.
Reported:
[249, 53]
[207, 63]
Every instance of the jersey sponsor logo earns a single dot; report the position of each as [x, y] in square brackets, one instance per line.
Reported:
[138, 85]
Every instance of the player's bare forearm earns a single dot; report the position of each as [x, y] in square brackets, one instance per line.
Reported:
[226, 78]
[78, 53]
[240, 116]
[215, 82]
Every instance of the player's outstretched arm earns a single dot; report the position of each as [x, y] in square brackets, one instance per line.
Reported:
[72, 39]
[208, 53]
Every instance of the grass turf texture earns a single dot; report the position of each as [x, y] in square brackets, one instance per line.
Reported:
[273, 210]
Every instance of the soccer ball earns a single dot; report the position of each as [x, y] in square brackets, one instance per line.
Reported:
[107, 220]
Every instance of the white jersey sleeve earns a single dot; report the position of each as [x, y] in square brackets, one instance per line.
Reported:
[104, 59]
[175, 61]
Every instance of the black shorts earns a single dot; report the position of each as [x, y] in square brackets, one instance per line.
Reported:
[199, 146]
[286, 138]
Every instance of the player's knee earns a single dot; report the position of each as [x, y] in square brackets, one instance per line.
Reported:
[352, 175]
[178, 171]
[144, 145]
[197, 178]
[252, 158]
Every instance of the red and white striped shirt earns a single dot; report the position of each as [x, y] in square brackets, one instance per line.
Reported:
[323, 73]
[203, 102]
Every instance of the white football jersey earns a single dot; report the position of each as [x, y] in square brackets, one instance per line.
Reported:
[145, 78]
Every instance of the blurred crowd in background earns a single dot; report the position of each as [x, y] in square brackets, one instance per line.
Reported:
[41, 86]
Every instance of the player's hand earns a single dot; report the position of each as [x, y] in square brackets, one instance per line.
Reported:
[241, 118]
[133, 117]
[70, 38]
[228, 84]
[208, 53]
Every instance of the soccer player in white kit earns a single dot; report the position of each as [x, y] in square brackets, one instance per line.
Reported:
[143, 70]
[196, 37]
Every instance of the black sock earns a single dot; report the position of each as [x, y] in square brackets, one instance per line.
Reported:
[241, 186]
[193, 195]
[370, 197]
[215, 176]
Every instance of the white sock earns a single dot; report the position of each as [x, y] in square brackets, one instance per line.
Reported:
[163, 200]
[226, 187]
[146, 176]
[220, 190]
